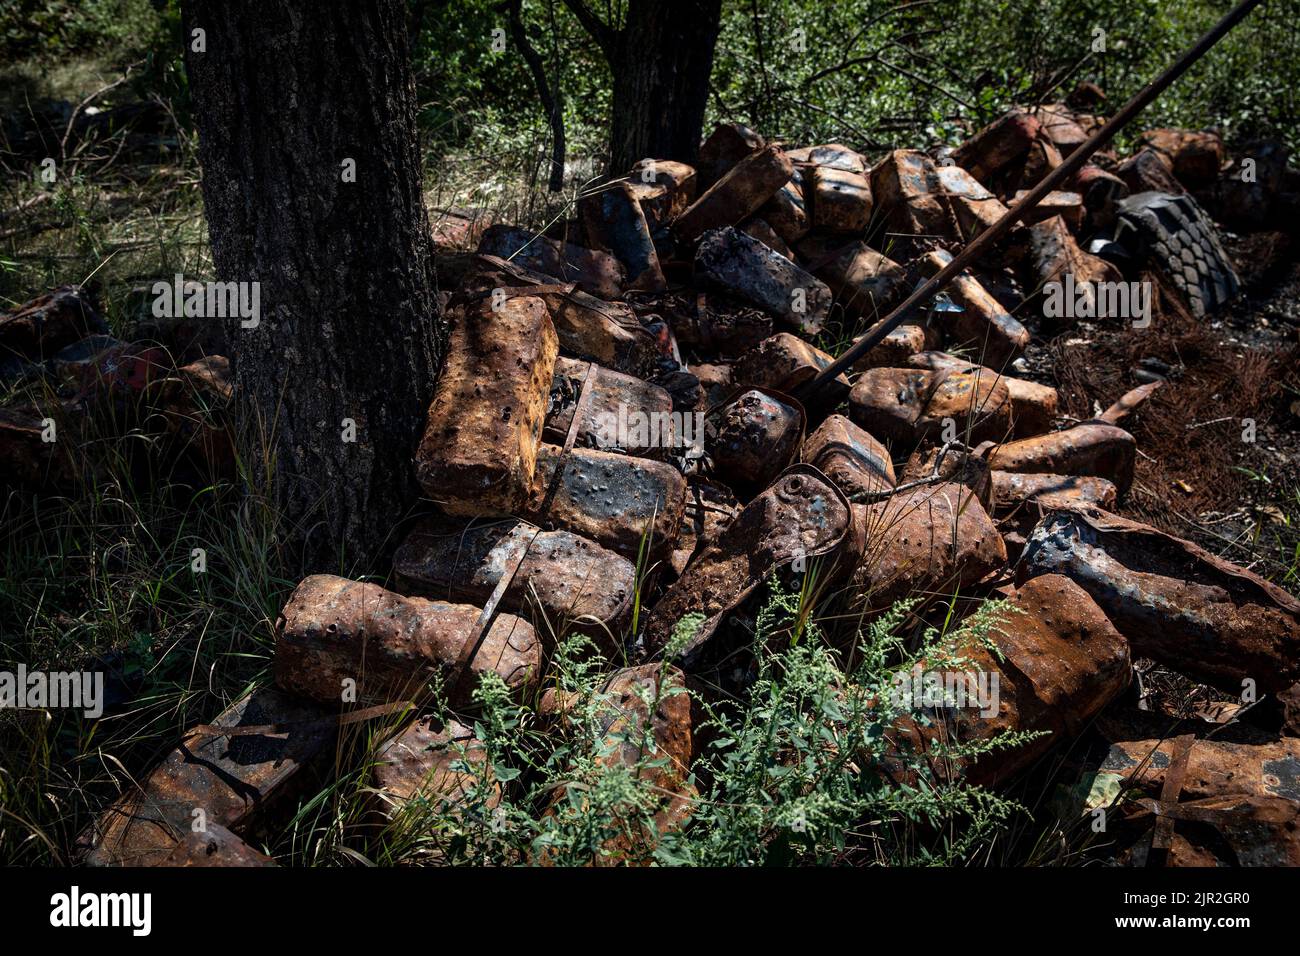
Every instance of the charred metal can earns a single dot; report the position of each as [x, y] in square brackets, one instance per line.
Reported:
[1174, 601]
[752, 436]
[800, 516]
[622, 414]
[615, 500]
[1091, 448]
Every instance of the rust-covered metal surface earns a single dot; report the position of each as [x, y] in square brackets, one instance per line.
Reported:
[439, 765]
[1012, 490]
[897, 348]
[841, 200]
[335, 633]
[710, 506]
[1059, 661]
[737, 194]
[982, 325]
[849, 456]
[615, 223]
[231, 779]
[615, 398]
[864, 281]
[997, 145]
[1094, 449]
[783, 362]
[596, 273]
[724, 327]
[909, 405]
[787, 212]
[643, 715]
[1238, 803]
[799, 517]
[587, 327]
[746, 268]
[1055, 253]
[611, 499]
[973, 207]
[664, 189]
[753, 435]
[909, 194]
[566, 577]
[215, 846]
[1173, 600]
[723, 148]
[1033, 406]
[932, 540]
[479, 450]
[761, 230]
[952, 464]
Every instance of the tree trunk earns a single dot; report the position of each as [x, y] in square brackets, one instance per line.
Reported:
[662, 61]
[285, 94]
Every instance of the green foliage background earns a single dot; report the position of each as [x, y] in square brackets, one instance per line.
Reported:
[925, 65]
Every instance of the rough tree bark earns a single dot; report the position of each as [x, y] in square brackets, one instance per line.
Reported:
[661, 61]
[285, 94]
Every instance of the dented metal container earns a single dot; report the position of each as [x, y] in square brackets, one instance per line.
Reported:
[597, 273]
[1173, 600]
[614, 500]
[444, 766]
[719, 324]
[974, 207]
[709, 508]
[910, 405]
[783, 363]
[983, 326]
[1223, 802]
[568, 580]
[1022, 498]
[786, 212]
[1058, 662]
[865, 282]
[606, 332]
[723, 149]
[615, 223]
[931, 541]
[737, 195]
[622, 413]
[997, 145]
[746, 268]
[841, 200]
[664, 189]
[849, 457]
[800, 516]
[1033, 406]
[232, 777]
[336, 635]
[752, 436]
[909, 194]
[479, 450]
[1096, 449]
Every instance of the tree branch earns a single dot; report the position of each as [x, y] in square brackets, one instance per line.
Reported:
[551, 101]
[606, 37]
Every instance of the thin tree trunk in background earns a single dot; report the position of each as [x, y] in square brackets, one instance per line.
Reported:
[661, 61]
[661, 80]
[552, 101]
[285, 94]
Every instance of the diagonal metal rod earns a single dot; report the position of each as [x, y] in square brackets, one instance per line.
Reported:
[989, 236]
